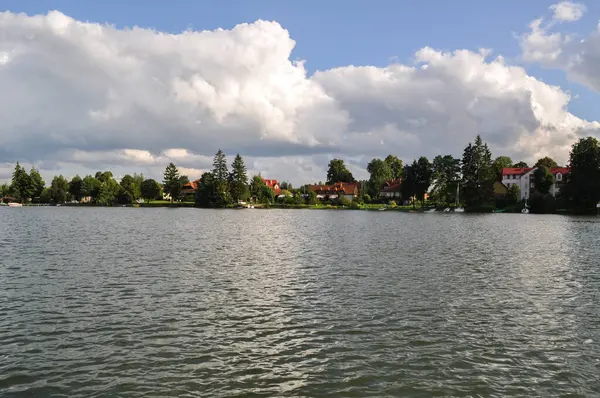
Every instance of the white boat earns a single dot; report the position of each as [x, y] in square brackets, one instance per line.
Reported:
[381, 209]
[13, 204]
[447, 209]
[458, 209]
[525, 210]
[431, 210]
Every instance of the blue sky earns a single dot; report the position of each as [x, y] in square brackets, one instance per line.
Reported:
[347, 32]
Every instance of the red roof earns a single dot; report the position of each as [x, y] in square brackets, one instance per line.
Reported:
[516, 170]
[561, 170]
[392, 185]
[191, 186]
[525, 170]
[274, 185]
[346, 188]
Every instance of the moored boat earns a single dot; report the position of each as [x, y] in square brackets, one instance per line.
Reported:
[13, 204]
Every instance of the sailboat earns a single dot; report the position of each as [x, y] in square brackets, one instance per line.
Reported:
[525, 209]
[458, 209]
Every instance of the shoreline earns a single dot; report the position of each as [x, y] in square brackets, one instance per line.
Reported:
[401, 209]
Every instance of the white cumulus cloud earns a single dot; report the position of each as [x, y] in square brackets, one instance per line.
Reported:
[578, 56]
[568, 11]
[79, 97]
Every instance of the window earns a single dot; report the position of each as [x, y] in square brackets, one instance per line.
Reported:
[558, 177]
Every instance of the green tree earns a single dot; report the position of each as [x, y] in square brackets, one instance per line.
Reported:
[221, 180]
[514, 194]
[408, 188]
[171, 182]
[109, 191]
[260, 191]
[104, 176]
[446, 173]
[478, 176]
[298, 199]
[76, 188]
[59, 189]
[311, 199]
[127, 184]
[338, 172]
[380, 172]
[396, 165]
[239, 179]
[150, 190]
[205, 195]
[220, 172]
[520, 165]
[21, 185]
[37, 183]
[543, 179]
[499, 163]
[423, 173]
[91, 187]
[583, 182]
[136, 187]
[546, 161]
[45, 197]
[4, 190]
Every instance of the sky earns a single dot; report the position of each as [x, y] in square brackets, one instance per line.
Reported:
[130, 86]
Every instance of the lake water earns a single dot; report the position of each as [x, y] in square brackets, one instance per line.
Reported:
[99, 302]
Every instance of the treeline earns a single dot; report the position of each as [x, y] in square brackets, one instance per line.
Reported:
[100, 188]
[221, 187]
[469, 181]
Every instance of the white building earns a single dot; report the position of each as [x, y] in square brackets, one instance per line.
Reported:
[525, 180]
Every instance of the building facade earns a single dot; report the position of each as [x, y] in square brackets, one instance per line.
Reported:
[525, 180]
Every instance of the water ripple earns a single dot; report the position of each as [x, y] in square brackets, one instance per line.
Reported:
[197, 303]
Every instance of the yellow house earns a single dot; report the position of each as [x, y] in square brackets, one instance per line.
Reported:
[500, 189]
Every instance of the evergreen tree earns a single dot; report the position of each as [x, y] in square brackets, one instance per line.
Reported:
[205, 195]
[21, 185]
[37, 183]
[171, 182]
[220, 177]
[238, 179]
[478, 176]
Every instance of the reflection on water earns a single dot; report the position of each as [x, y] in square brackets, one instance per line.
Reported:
[162, 302]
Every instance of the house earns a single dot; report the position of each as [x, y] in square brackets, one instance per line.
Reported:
[524, 179]
[190, 188]
[500, 189]
[391, 189]
[274, 185]
[346, 190]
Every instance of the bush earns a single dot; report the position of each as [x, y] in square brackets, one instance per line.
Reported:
[355, 205]
[342, 201]
[392, 203]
